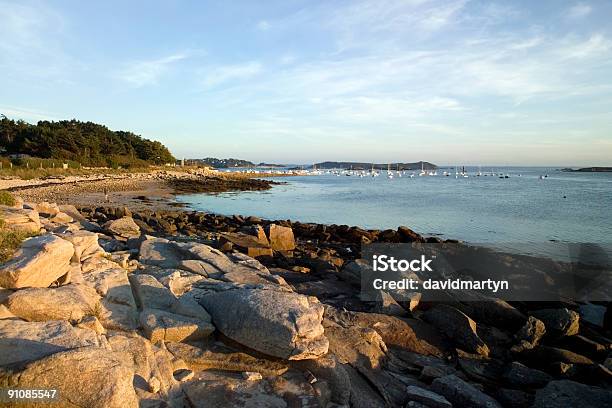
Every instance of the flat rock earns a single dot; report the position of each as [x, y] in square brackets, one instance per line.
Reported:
[69, 302]
[38, 263]
[461, 393]
[161, 325]
[458, 327]
[565, 393]
[277, 323]
[209, 359]
[26, 341]
[519, 375]
[104, 378]
[430, 399]
[249, 244]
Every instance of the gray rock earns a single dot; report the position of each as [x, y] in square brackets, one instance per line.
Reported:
[559, 322]
[565, 393]
[104, 378]
[462, 394]
[458, 327]
[430, 399]
[519, 375]
[38, 263]
[281, 324]
[26, 341]
[352, 271]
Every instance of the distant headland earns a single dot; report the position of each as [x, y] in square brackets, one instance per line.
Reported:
[590, 169]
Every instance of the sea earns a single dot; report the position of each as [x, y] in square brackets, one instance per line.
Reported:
[534, 210]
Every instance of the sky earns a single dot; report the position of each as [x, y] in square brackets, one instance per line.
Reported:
[454, 82]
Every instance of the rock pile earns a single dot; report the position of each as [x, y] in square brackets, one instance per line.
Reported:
[185, 309]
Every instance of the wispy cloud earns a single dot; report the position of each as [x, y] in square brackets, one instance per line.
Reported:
[143, 73]
[29, 115]
[216, 76]
[263, 25]
[579, 10]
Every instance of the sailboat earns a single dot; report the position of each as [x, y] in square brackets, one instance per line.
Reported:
[389, 172]
[422, 173]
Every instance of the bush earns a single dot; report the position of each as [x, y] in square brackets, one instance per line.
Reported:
[10, 241]
[7, 198]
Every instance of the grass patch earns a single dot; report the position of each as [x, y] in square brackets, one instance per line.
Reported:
[6, 198]
[10, 241]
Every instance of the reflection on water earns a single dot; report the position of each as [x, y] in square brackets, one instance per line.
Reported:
[520, 214]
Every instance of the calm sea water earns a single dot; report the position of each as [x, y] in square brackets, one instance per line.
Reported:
[518, 212]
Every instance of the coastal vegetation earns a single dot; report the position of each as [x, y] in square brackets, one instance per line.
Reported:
[10, 239]
[85, 143]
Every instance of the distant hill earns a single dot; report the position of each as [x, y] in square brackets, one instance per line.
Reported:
[88, 143]
[378, 166]
[221, 163]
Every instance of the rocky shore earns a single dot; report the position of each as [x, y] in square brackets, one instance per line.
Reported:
[158, 308]
[152, 190]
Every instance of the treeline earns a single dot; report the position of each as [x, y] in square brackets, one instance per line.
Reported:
[87, 143]
[221, 163]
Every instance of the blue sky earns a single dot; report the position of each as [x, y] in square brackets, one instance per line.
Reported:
[452, 81]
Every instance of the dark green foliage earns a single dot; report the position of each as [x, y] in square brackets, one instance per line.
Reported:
[85, 142]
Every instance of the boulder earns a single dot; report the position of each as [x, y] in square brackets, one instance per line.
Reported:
[69, 302]
[61, 218]
[27, 341]
[78, 217]
[521, 376]
[161, 325]
[124, 227]
[281, 238]
[559, 322]
[248, 244]
[46, 209]
[104, 378]
[150, 293]
[352, 271]
[385, 304]
[39, 262]
[565, 393]
[461, 393]
[277, 323]
[20, 219]
[458, 327]
[85, 245]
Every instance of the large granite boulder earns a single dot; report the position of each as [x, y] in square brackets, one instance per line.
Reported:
[278, 323]
[26, 341]
[88, 377]
[20, 219]
[38, 263]
[70, 302]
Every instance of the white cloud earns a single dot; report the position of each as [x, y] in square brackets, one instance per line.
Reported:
[579, 10]
[143, 73]
[263, 25]
[596, 46]
[218, 75]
